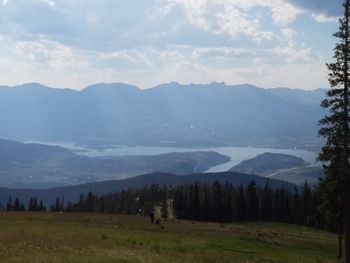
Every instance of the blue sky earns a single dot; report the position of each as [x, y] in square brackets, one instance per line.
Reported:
[74, 43]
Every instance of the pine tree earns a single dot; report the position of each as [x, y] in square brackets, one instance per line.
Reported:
[16, 205]
[332, 202]
[196, 203]
[295, 207]
[228, 202]
[252, 202]
[306, 203]
[336, 125]
[33, 204]
[266, 204]
[90, 202]
[206, 203]
[179, 202]
[217, 201]
[286, 206]
[9, 204]
[22, 207]
[241, 205]
[41, 206]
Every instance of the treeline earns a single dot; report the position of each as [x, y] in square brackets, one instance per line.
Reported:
[226, 203]
[34, 204]
[218, 202]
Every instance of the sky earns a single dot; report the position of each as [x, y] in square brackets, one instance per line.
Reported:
[76, 43]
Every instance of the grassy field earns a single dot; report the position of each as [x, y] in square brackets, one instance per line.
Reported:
[50, 237]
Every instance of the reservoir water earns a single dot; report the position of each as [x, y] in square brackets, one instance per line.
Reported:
[237, 154]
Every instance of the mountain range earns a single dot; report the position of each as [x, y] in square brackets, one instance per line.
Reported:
[169, 114]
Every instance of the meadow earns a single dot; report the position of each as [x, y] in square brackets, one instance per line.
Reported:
[64, 237]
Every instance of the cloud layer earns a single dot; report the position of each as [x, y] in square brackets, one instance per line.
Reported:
[146, 42]
[326, 7]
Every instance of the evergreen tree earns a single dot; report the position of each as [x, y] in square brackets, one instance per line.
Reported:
[306, 203]
[335, 126]
[33, 204]
[41, 206]
[9, 204]
[241, 205]
[81, 203]
[277, 205]
[252, 202]
[22, 207]
[286, 206]
[165, 197]
[16, 205]
[206, 203]
[217, 202]
[228, 202]
[90, 202]
[295, 218]
[266, 204]
[332, 203]
[57, 206]
[179, 202]
[196, 203]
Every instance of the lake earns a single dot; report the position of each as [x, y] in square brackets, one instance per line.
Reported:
[237, 154]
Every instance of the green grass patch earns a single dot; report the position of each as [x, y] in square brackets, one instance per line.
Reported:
[50, 237]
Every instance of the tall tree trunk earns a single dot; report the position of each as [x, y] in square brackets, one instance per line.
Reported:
[347, 227]
[346, 138]
[340, 243]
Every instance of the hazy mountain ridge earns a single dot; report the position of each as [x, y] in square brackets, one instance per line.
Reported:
[38, 166]
[72, 193]
[212, 114]
[268, 163]
[281, 167]
[299, 175]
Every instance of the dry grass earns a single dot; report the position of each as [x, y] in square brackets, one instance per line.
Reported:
[50, 237]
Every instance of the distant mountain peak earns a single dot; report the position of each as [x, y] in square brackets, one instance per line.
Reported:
[111, 86]
[32, 85]
[172, 84]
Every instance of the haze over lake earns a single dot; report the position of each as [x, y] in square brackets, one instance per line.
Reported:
[237, 154]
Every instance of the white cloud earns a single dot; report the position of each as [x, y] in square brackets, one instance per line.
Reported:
[133, 56]
[54, 54]
[230, 16]
[322, 18]
[329, 8]
[292, 54]
[289, 33]
[171, 55]
[146, 42]
[305, 75]
[218, 52]
[283, 13]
